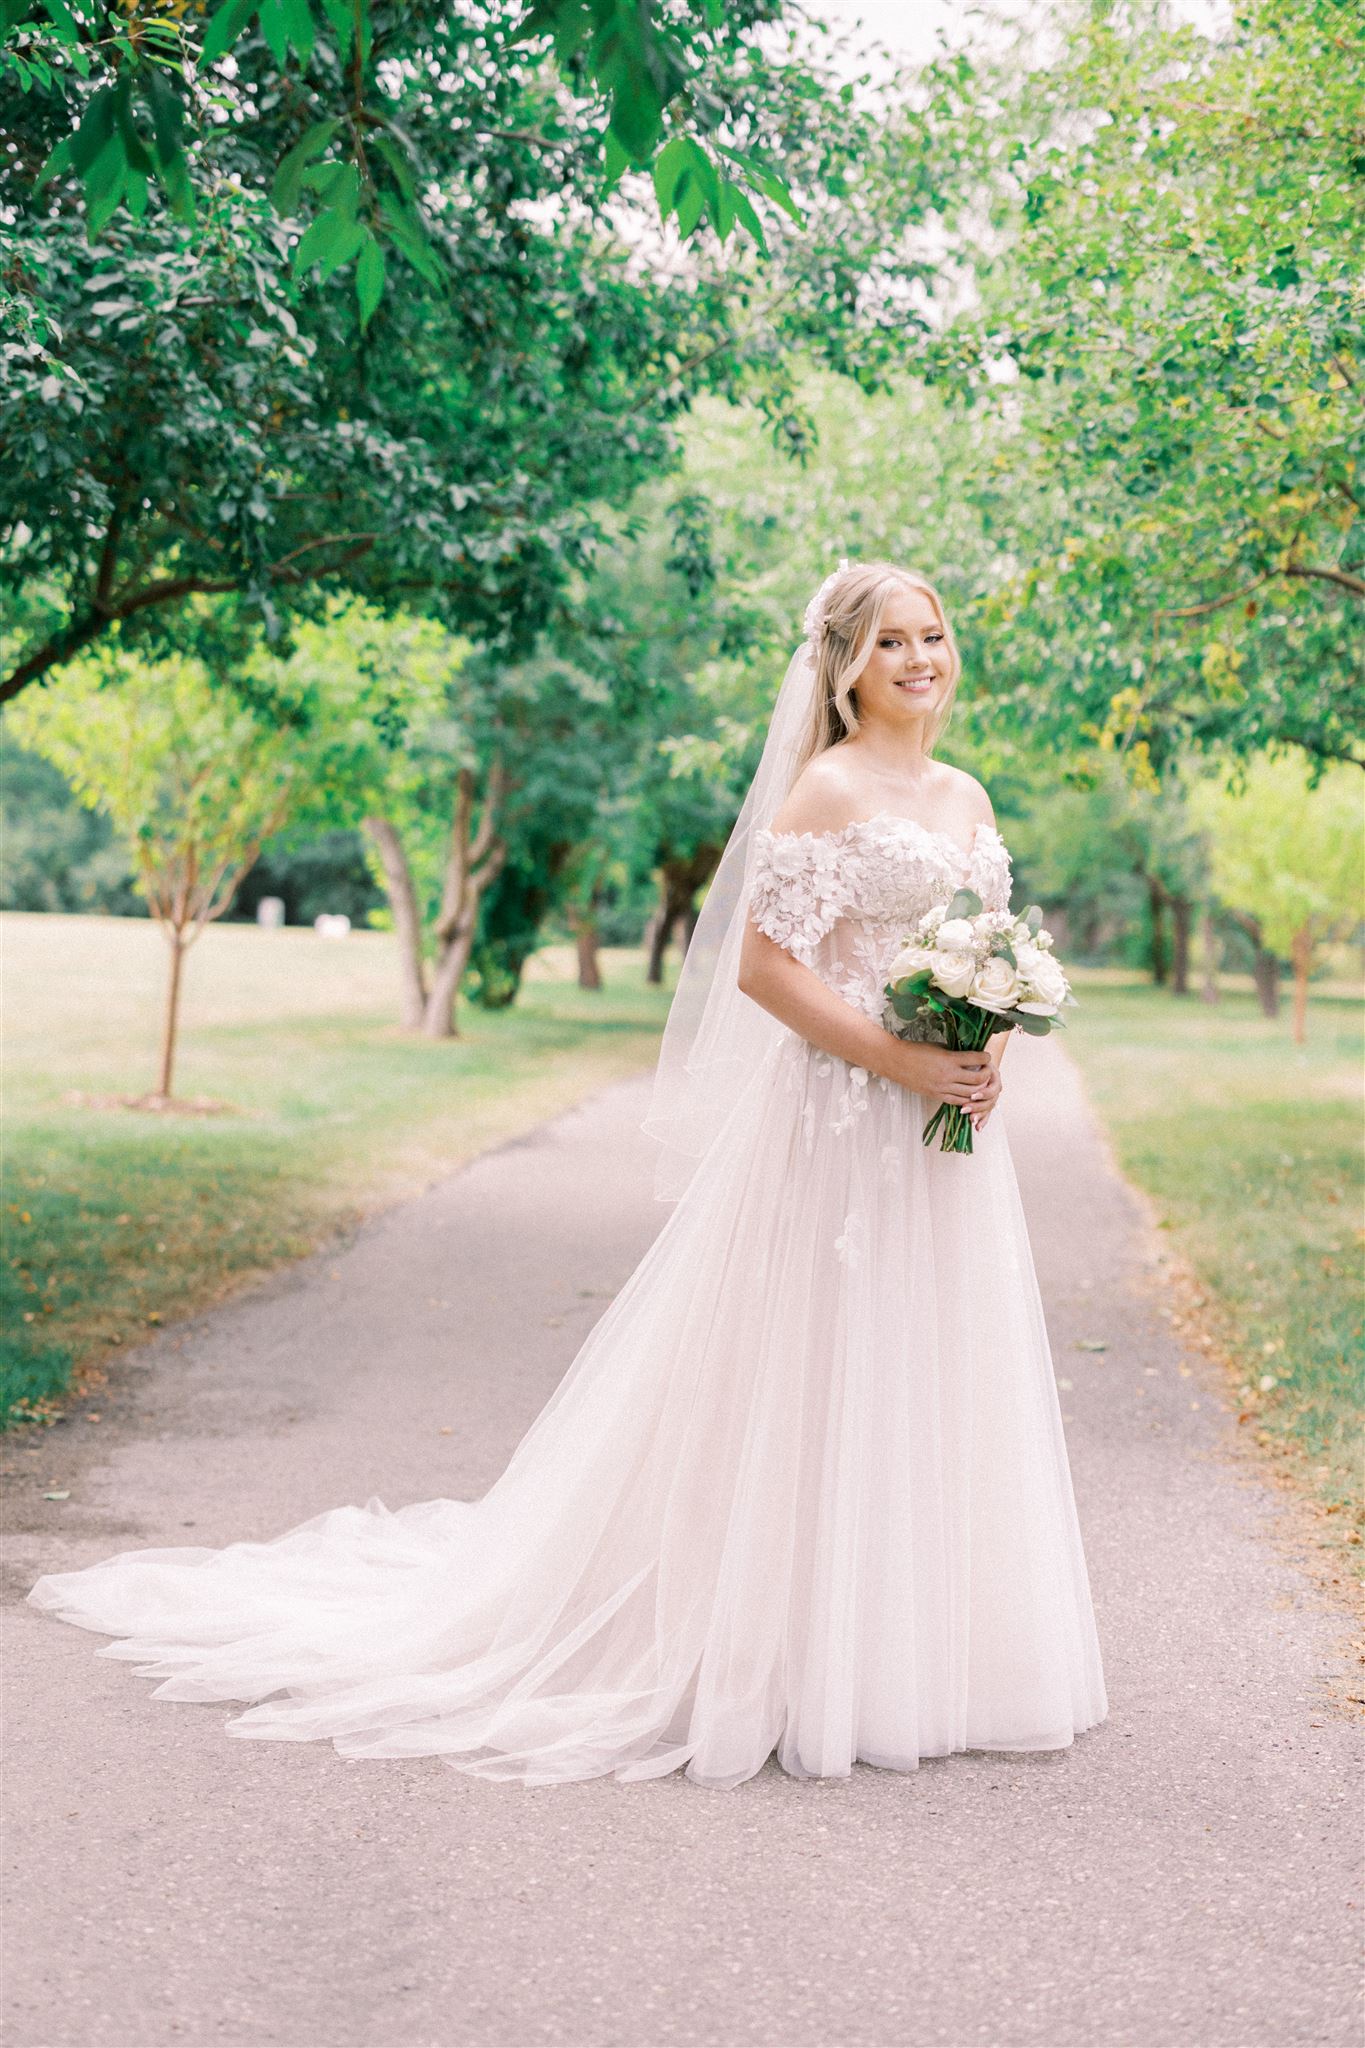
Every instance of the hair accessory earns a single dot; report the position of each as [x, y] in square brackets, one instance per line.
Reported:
[818, 608]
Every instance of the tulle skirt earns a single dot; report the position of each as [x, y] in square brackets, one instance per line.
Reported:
[804, 1489]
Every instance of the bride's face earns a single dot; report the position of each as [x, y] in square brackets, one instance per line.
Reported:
[907, 674]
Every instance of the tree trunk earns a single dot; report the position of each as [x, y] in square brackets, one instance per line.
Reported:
[474, 860]
[439, 1020]
[1301, 953]
[407, 920]
[1156, 899]
[1208, 948]
[170, 1022]
[660, 931]
[584, 927]
[1265, 967]
[679, 881]
[1266, 974]
[1180, 949]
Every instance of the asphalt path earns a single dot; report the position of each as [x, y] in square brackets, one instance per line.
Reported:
[1186, 1876]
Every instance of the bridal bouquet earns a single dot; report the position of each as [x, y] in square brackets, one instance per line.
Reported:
[965, 973]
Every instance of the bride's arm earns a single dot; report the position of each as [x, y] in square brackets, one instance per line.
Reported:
[795, 995]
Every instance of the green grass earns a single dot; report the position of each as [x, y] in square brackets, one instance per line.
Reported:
[1250, 1148]
[116, 1219]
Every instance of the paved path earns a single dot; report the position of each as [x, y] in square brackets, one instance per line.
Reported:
[1182, 1878]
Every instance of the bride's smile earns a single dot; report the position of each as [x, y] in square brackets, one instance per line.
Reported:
[909, 668]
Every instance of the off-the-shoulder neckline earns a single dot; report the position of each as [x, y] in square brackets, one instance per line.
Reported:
[897, 818]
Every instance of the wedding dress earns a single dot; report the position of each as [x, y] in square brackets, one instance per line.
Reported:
[803, 1489]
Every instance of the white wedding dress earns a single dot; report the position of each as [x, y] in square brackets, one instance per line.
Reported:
[803, 1489]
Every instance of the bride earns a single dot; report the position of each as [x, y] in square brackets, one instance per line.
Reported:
[804, 1488]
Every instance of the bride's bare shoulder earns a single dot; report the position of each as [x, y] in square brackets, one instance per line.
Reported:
[827, 795]
[966, 794]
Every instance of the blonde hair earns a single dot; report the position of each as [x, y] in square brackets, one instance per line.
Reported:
[842, 638]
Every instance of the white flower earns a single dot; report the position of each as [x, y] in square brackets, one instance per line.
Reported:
[954, 972]
[910, 960]
[1045, 980]
[996, 987]
[789, 854]
[956, 935]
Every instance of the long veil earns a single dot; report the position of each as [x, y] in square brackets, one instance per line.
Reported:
[715, 1036]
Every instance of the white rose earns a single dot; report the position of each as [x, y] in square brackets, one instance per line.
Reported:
[909, 960]
[1046, 981]
[953, 972]
[956, 936]
[996, 986]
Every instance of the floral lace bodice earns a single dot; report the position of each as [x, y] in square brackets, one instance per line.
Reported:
[842, 902]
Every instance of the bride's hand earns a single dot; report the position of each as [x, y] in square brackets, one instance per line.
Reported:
[988, 1096]
[970, 1080]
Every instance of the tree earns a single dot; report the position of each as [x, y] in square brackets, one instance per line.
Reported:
[1158, 234]
[190, 410]
[55, 854]
[192, 780]
[1286, 855]
[138, 89]
[460, 767]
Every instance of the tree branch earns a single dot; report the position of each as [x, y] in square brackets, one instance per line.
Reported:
[1352, 583]
[1214, 604]
[97, 619]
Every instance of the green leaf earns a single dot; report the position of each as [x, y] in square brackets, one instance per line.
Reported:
[95, 130]
[299, 19]
[384, 146]
[167, 120]
[275, 28]
[318, 240]
[369, 280]
[407, 235]
[347, 244]
[341, 15]
[690, 205]
[670, 168]
[62, 19]
[287, 185]
[1036, 1027]
[966, 903]
[748, 219]
[60, 160]
[223, 30]
[104, 204]
[618, 161]
[135, 151]
[772, 187]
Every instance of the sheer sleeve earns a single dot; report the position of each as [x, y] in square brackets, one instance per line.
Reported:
[794, 893]
[991, 869]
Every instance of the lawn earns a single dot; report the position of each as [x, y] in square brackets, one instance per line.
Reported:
[1250, 1147]
[115, 1219]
